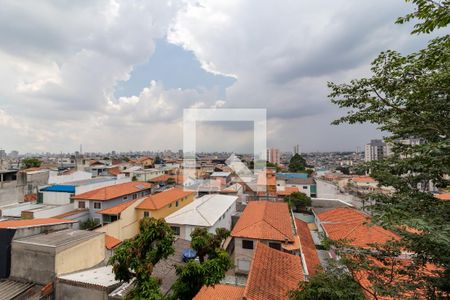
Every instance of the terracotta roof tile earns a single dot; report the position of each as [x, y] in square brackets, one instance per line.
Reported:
[308, 247]
[287, 191]
[342, 215]
[179, 179]
[70, 213]
[111, 242]
[220, 292]
[32, 222]
[273, 274]
[363, 179]
[444, 196]
[359, 234]
[352, 225]
[117, 209]
[265, 220]
[164, 198]
[114, 191]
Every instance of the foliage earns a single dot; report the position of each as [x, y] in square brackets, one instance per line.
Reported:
[136, 258]
[31, 162]
[134, 178]
[272, 165]
[343, 170]
[297, 163]
[170, 181]
[334, 284]
[211, 267]
[193, 275]
[434, 14]
[88, 224]
[408, 97]
[298, 201]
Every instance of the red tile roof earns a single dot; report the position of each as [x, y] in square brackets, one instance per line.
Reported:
[163, 178]
[32, 222]
[287, 191]
[352, 225]
[366, 179]
[342, 215]
[359, 234]
[308, 248]
[265, 220]
[164, 198]
[70, 213]
[117, 209]
[220, 292]
[114, 191]
[444, 196]
[273, 274]
[111, 242]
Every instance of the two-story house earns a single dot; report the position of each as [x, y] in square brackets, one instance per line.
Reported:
[262, 221]
[109, 196]
[162, 204]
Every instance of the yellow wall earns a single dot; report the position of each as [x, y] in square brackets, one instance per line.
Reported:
[166, 210]
[82, 256]
[127, 226]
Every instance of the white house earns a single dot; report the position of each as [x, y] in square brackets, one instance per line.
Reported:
[210, 211]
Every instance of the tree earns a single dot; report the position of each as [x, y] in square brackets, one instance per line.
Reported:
[31, 162]
[88, 224]
[334, 284]
[297, 163]
[211, 267]
[407, 96]
[136, 258]
[170, 181]
[298, 201]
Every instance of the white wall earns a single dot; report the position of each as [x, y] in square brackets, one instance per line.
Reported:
[89, 187]
[79, 175]
[53, 211]
[56, 198]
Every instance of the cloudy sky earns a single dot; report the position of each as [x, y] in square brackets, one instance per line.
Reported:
[116, 75]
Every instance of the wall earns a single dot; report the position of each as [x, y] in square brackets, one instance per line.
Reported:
[47, 212]
[56, 198]
[73, 292]
[127, 226]
[79, 175]
[245, 254]
[32, 262]
[81, 256]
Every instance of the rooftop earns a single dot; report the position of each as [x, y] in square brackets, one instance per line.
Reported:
[60, 238]
[272, 274]
[114, 191]
[14, 224]
[111, 242]
[308, 247]
[265, 220]
[117, 209]
[158, 201]
[100, 277]
[220, 174]
[220, 292]
[204, 211]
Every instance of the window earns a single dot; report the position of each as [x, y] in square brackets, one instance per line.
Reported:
[125, 197]
[146, 214]
[176, 204]
[135, 196]
[176, 230]
[81, 204]
[97, 205]
[305, 187]
[170, 205]
[247, 244]
[275, 245]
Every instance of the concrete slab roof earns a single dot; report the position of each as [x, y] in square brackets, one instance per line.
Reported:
[102, 276]
[60, 238]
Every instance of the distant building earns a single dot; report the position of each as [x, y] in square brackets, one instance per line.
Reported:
[273, 155]
[2, 154]
[375, 150]
[296, 149]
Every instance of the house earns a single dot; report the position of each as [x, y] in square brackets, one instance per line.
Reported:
[121, 221]
[305, 184]
[272, 275]
[17, 229]
[145, 162]
[210, 211]
[109, 196]
[223, 177]
[147, 174]
[266, 186]
[351, 225]
[311, 261]
[162, 204]
[40, 258]
[284, 191]
[88, 284]
[262, 221]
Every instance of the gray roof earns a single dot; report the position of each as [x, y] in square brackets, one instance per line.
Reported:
[10, 289]
[305, 181]
[67, 237]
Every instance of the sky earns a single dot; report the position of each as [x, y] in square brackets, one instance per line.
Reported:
[116, 75]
